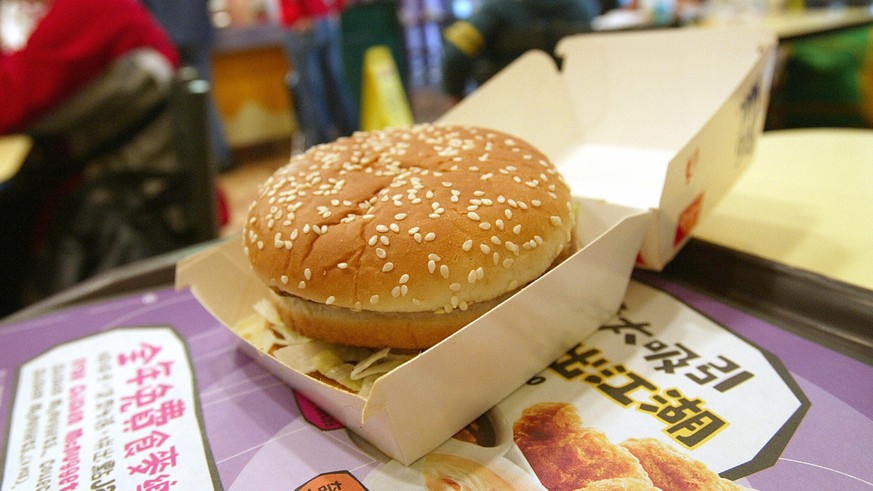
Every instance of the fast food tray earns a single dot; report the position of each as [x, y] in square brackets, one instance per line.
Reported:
[727, 286]
[829, 312]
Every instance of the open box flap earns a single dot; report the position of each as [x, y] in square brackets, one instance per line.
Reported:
[648, 96]
[625, 106]
[655, 89]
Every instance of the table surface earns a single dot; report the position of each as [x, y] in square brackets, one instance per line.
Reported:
[804, 201]
[801, 23]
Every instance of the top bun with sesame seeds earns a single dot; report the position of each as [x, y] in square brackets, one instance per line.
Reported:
[400, 237]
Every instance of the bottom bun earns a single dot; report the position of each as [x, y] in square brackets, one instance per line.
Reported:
[401, 330]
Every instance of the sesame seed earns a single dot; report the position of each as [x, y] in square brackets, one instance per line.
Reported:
[516, 229]
[384, 240]
[373, 239]
[433, 257]
[444, 271]
[307, 273]
[330, 300]
[496, 240]
[455, 287]
[400, 216]
[395, 292]
[404, 278]
[381, 228]
[484, 248]
[468, 244]
[374, 299]
[284, 280]
[484, 225]
[473, 216]
[508, 213]
[430, 237]
[301, 285]
[431, 265]
[380, 253]
[342, 265]
[471, 276]
[556, 220]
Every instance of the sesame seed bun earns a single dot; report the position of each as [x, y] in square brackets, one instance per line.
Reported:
[400, 237]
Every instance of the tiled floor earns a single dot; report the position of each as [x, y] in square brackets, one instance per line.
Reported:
[240, 184]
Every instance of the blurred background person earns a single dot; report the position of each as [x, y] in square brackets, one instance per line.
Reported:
[72, 42]
[324, 105]
[189, 24]
[499, 31]
[63, 48]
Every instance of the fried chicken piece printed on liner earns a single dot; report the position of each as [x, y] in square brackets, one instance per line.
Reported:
[671, 470]
[568, 457]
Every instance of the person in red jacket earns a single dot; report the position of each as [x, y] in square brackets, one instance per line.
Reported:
[324, 104]
[71, 45]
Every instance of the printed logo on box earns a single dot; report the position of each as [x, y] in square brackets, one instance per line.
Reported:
[752, 109]
[688, 220]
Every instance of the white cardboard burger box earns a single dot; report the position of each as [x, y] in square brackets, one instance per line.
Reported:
[420, 405]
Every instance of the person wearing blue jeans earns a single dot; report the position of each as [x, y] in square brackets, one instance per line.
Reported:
[325, 107]
[189, 25]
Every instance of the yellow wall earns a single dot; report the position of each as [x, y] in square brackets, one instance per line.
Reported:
[250, 91]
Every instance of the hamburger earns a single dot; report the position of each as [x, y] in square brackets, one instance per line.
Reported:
[398, 238]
